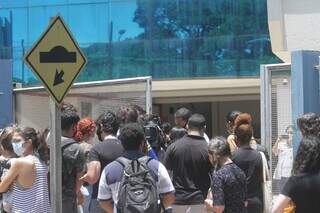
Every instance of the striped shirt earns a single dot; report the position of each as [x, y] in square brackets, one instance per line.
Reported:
[36, 198]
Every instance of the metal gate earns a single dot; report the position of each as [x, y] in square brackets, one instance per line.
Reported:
[276, 121]
[90, 99]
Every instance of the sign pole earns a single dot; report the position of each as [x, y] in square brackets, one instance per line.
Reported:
[55, 158]
[56, 59]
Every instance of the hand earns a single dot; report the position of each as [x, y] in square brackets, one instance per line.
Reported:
[209, 204]
[80, 198]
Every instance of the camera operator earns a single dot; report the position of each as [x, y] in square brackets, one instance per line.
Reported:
[155, 135]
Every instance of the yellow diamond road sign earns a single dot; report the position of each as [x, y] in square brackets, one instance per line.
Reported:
[56, 59]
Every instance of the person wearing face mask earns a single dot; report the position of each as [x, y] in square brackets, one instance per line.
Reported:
[8, 137]
[28, 174]
[84, 135]
[103, 153]
[228, 182]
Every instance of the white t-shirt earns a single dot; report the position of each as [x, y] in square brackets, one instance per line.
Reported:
[111, 179]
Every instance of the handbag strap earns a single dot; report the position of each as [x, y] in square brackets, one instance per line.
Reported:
[265, 169]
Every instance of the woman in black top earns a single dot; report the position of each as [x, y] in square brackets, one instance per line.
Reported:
[228, 182]
[250, 161]
[303, 187]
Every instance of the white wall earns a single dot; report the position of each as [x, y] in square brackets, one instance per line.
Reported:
[294, 25]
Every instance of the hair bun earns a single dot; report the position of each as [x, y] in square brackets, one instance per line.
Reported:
[243, 118]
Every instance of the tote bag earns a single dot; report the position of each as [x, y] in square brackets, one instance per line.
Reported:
[266, 185]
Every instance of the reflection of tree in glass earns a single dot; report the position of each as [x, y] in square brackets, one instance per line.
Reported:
[207, 27]
[186, 38]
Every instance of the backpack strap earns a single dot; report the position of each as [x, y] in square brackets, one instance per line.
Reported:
[144, 160]
[123, 161]
[64, 146]
[135, 164]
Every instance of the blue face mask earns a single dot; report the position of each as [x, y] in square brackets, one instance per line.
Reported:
[17, 148]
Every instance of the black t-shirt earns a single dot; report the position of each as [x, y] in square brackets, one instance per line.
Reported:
[73, 162]
[188, 159]
[304, 191]
[105, 152]
[250, 161]
[229, 189]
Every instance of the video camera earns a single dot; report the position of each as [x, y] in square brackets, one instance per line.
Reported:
[154, 133]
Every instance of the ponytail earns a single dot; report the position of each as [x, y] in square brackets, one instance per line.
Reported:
[42, 148]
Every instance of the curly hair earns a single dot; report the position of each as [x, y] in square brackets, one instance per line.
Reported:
[219, 146]
[85, 126]
[243, 128]
[309, 124]
[127, 114]
[108, 123]
[308, 156]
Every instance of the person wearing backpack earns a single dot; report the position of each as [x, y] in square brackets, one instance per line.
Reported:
[134, 182]
[73, 160]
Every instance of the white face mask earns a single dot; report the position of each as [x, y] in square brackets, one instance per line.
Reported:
[17, 148]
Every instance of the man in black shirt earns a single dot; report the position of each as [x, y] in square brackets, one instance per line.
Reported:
[101, 154]
[188, 159]
[73, 160]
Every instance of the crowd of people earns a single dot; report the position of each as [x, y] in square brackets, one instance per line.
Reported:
[142, 165]
[301, 190]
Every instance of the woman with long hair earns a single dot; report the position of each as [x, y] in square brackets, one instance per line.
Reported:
[309, 124]
[230, 125]
[303, 187]
[28, 174]
[250, 161]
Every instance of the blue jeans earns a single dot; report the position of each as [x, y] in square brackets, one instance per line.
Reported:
[87, 192]
[95, 206]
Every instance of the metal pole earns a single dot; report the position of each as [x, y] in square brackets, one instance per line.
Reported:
[149, 96]
[55, 158]
[23, 52]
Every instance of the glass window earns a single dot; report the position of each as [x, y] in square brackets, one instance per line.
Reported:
[163, 38]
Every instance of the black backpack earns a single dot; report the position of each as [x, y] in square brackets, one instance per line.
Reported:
[138, 188]
[67, 172]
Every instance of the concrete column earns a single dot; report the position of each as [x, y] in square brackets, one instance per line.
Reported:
[6, 99]
[305, 86]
